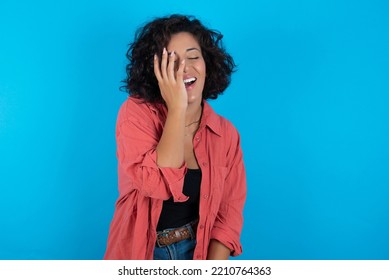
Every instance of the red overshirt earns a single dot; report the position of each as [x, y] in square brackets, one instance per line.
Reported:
[143, 185]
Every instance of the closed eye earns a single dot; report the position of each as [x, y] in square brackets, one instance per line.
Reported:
[193, 57]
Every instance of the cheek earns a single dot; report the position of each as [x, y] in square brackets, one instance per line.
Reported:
[201, 69]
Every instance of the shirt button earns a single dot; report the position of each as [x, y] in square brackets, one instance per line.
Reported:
[205, 164]
[197, 138]
[205, 196]
[201, 226]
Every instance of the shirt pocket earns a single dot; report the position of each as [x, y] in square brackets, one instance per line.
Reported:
[218, 177]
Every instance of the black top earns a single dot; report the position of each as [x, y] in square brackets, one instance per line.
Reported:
[176, 214]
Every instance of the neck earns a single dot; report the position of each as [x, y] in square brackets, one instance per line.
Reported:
[193, 114]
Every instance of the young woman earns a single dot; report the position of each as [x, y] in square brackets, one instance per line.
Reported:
[181, 175]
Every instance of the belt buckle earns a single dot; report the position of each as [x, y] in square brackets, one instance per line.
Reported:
[192, 225]
[160, 245]
[165, 232]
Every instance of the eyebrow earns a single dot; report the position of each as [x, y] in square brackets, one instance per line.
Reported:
[192, 49]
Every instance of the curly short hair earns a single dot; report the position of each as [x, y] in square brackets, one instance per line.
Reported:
[154, 36]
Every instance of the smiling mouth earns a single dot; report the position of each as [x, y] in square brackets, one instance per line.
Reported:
[190, 81]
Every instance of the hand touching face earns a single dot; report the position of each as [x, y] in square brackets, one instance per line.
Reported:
[182, 71]
[170, 80]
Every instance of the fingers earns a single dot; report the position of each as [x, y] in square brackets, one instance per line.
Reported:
[166, 69]
[157, 70]
[170, 79]
[180, 72]
[170, 70]
[164, 64]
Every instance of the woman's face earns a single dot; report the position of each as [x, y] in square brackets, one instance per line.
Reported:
[186, 47]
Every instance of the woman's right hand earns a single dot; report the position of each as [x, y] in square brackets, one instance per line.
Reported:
[170, 149]
[170, 81]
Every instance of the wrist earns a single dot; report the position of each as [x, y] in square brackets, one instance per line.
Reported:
[177, 112]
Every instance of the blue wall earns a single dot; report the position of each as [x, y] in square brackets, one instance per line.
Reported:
[310, 100]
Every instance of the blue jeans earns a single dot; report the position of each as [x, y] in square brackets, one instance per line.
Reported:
[182, 250]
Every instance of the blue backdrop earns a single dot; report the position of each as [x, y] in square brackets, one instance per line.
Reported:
[310, 100]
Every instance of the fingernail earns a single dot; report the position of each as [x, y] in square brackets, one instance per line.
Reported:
[172, 53]
[183, 61]
[155, 57]
[164, 51]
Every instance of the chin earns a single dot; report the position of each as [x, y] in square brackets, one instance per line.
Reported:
[194, 98]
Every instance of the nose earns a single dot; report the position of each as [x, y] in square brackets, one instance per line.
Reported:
[178, 63]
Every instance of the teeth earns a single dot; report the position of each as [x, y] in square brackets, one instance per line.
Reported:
[189, 80]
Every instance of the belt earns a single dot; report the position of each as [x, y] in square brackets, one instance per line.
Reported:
[171, 236]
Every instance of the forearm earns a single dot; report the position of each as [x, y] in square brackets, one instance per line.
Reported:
[217, 251]
[170, 149]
